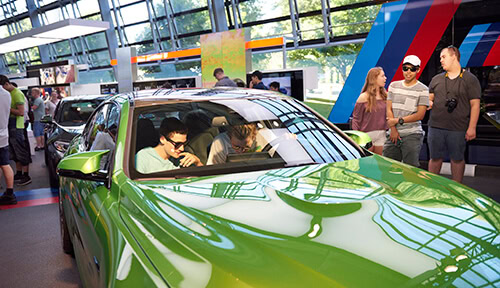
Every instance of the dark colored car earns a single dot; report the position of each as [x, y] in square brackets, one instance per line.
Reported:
[69, 119]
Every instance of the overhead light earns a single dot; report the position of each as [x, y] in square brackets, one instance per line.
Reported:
[71, 28]
[62, 30]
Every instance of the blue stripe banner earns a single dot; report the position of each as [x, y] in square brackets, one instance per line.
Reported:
[470, 42]
[484, 46]
[373, 47]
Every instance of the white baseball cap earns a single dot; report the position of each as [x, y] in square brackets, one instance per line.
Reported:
[412, 59]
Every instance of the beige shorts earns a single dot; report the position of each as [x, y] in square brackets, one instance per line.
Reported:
[378, 137]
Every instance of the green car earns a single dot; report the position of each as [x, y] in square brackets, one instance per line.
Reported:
[249, 188]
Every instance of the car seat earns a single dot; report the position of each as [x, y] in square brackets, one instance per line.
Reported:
[147, 136]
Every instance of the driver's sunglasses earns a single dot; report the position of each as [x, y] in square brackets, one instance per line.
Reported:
[412, 69]
[177, 145]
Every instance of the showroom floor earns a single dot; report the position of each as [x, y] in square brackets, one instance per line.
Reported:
[31, 254]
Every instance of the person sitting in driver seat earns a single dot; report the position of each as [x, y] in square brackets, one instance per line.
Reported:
[238, 139]
[169, 154]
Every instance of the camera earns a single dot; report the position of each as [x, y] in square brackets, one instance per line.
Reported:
[451, 104]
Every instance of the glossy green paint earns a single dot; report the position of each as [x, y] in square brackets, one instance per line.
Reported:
[85, 162]
[371, 222]
[361, 138]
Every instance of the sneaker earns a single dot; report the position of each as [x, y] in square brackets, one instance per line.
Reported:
[8, 199]
[18, 177]
[24, 181]
[38, 148]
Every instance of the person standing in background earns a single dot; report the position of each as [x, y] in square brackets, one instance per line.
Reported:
[256, 82]
[222, 79]
[369, 113]
[275, 86]
[28, 118]
[407, 102]
[18, 151]
[51, 104]
[8, 197]
[38, 111]
[455, 99]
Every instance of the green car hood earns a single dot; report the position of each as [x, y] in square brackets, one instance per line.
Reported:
[370, 222]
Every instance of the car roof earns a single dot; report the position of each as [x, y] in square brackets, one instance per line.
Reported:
[85, 98]
[160, 96]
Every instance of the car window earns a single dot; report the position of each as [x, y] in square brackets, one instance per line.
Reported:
[239, 135]
[75, 113]
[96, 124]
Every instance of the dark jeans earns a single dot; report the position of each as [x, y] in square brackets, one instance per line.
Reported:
[408, 151]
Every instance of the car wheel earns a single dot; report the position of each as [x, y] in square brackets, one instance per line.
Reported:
[65, 239]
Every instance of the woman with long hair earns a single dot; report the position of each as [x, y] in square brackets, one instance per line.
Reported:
[369, 112]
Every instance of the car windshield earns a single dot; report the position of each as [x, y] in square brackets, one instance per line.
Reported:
[76, 113]
[228, 136]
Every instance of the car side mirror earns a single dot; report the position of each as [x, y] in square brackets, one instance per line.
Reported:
[84, 166]
[361, 138]
[47, 119]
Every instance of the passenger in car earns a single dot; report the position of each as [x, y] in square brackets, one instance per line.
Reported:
[169, 153]
[238, 139]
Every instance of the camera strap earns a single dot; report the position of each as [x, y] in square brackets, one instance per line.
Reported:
[447, 78]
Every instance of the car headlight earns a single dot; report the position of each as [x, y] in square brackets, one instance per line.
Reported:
[61, 146]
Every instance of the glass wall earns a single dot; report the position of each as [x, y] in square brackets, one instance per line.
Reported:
[160, 26]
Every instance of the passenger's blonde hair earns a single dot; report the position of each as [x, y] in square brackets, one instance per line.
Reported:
[244, 131]
[371, 87]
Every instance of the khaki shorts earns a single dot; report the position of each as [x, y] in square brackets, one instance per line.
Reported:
[378, 137]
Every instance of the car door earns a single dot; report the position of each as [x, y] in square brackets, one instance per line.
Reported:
[87, 199]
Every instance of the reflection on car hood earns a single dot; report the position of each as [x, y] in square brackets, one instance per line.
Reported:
[370, 222]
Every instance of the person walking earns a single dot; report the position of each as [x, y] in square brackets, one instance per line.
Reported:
[8, 197]
[369, 113]
[38, 108]
[455, 99]
[17, 146]
[222, 79]
[407, 102]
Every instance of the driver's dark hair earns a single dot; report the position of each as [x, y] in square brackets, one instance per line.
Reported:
[275, 84]
[172, 125]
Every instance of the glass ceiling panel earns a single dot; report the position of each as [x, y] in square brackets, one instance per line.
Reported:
[254, 10]
[87, 7]
[183, 5]
[134, 13]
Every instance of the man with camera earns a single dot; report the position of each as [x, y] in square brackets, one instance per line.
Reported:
[454, 96]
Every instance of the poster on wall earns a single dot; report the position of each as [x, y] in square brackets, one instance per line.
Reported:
[47, 76]
[65, 74]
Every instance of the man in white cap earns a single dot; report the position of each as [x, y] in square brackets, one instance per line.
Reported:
[407, 102]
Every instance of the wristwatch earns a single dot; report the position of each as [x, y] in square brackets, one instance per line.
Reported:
[401, 121]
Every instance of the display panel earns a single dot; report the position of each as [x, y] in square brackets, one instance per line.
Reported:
[65, 74]
[47, 76]
[285, 83]
[291, 80]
